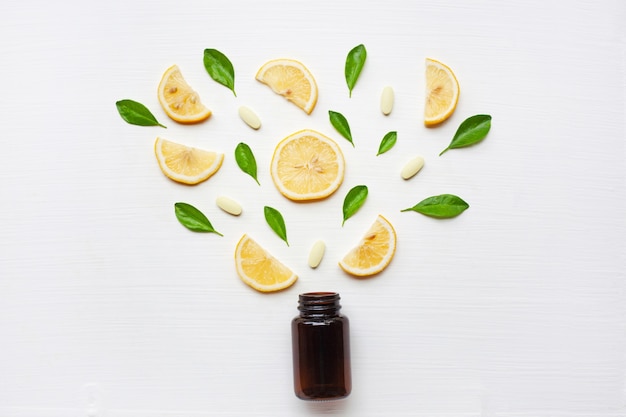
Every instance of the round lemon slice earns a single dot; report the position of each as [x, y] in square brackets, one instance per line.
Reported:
[292, 80]
[259, 269]
[307, 166]
[442, 92]
[374, 252]
[185, 164]
[179, 101]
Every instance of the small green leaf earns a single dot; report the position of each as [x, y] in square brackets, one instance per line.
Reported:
[193, 219]
[471, 131]
[136, 113]
[389, 140]
[340, 123]
[353, 201]
[275, 220]
[442, 206]
[220, 68]
[354, 64]
[246, 161]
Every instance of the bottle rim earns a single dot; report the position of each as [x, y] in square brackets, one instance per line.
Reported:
[316, 294]
[320, 301]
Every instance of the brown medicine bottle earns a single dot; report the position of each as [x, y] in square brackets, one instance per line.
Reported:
[321, 348]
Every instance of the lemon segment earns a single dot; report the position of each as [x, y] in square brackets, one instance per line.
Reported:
[259, 269]
[292, 80]
[374, 252]
[442, 92]
[185, 164]
[307, 166]
[179, 101]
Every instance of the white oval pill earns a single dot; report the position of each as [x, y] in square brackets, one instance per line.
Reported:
[249, 117]
[229, 205]
[316, 254]
[386, 100]
[412, 167]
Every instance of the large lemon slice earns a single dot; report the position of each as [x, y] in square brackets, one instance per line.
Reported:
[307, 165]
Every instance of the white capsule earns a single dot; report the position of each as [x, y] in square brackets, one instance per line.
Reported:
[412, 167]
[317, 253]
[229, 205]
[386, 100]
[249, 117]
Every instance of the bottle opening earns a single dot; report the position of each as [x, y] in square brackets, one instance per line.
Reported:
[319, 294]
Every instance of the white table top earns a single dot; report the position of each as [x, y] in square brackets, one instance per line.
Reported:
[109, 307]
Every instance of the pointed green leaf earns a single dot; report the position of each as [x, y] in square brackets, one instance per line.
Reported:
[246, 160]
[193, 219]
[136, 113]
[340, 123]
[442, 206]
[353, 201]
[354, 64]
[471, 131]
[220, 68]
[275, 220]
[388, 141]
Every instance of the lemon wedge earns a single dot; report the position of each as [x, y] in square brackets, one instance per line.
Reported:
[292, 80]
[442, 92]
[179, 101]
[185, 164]
[259, 269]
[374, 252]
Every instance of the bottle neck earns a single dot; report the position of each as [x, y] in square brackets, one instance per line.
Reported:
[319, 304]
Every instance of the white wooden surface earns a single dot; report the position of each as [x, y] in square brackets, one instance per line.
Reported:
[108, 307]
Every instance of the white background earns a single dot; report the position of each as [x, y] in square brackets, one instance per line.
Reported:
[109, 307]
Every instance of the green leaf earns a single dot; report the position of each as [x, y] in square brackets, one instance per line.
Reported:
[471, 131]
[136, 113]
[389, 140]
[246, 161]
[340, 123]
[354, 64]
[442, 206]
[353, 201]
[275, 220]
[193, 219]
[220, 68]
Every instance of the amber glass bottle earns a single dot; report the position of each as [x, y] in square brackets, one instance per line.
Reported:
[321, 348]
